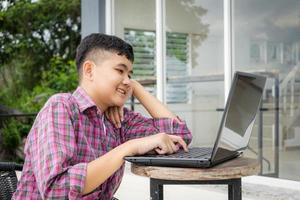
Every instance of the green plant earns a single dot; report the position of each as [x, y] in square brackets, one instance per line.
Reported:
[10, 135]
[37, 47]
[29, 42]
[62, 76]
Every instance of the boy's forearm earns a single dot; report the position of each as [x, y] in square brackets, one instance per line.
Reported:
[100, 169]
[155, 108]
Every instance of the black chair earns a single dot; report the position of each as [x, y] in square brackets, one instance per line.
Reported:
[8, 179]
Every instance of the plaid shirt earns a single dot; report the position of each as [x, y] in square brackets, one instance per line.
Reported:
[68, 133]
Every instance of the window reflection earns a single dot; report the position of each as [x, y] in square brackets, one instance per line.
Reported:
[266, 37]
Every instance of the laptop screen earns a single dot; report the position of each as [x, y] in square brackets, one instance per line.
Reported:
[241, 108]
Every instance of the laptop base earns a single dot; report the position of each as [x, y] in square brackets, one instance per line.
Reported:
[176, 160]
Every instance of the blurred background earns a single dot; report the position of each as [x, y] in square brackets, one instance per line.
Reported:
[38, 41]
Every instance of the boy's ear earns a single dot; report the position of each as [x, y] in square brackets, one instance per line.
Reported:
[87, 70]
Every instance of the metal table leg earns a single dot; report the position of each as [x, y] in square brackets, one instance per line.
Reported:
[156, 190]
[235, 189]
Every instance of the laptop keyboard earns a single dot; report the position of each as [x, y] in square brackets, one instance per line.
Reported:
[193, 153]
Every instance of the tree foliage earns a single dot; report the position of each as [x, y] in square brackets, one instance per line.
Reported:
[32, 33]
[38, 41]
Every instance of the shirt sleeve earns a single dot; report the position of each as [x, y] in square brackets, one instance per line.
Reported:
[53, 149]
[135, 126]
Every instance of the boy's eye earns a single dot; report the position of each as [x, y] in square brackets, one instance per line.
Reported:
[120, 70]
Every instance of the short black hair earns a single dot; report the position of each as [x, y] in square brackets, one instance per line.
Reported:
[99, 41]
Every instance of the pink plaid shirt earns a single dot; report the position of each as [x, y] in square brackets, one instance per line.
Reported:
[68, 133]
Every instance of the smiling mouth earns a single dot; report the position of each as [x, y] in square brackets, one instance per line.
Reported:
[121, 91]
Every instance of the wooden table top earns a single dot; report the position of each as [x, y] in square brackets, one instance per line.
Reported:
[235, 168]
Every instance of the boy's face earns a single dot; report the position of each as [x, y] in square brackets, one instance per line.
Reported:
[110, 80]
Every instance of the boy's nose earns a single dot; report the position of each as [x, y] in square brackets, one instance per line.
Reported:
[126, 80]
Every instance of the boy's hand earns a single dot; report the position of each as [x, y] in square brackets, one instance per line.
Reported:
[134, 84]
[115, 115]
[162, 143]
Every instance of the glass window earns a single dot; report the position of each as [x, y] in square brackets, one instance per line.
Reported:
[194, 57]
[266, 39]
[143, 43]
[135, 22]
[201, 21]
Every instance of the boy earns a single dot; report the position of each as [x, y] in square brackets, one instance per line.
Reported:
[77, 143]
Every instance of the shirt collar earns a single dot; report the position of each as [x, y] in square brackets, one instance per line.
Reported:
[84, 100]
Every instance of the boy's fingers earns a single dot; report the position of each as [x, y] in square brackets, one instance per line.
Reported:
[173, 147]
[162, 148]
[116, 117]
[180, 141]
[169, 148]
[106, 114]
[119, 110]
[121, 113]
[111, 116]
[160, 151]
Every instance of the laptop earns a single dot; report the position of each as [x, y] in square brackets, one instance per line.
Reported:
[234, 131]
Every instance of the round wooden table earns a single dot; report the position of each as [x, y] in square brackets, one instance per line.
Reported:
[229, 173]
